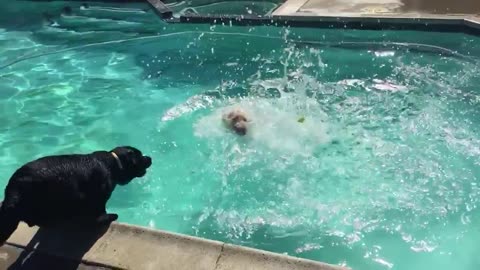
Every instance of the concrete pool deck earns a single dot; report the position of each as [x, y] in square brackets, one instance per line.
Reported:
[124, 246]
[426, 15]
[436, 12]
[397, 8]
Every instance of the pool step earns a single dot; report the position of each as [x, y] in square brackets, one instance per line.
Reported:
[99, 16]
[134, 14]
[139, 18]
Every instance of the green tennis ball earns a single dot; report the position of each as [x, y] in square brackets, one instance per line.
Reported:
[301, 119]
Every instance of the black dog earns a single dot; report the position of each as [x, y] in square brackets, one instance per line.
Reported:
[69, 188]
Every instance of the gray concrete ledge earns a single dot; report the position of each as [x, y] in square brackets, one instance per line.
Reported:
[124, 246]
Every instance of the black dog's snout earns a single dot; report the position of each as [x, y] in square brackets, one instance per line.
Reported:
[147, 161]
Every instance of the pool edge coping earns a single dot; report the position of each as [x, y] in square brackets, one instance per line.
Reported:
[396, 21]
[125, 246]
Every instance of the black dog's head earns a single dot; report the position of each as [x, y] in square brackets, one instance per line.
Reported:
[133, 163]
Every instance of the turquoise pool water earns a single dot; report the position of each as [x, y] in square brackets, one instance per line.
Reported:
[384, 173]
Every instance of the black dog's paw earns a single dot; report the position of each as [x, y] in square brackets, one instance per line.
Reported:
[107, 218]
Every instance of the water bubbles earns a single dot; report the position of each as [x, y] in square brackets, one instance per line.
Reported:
[407, 238]
[384, 53]
[465, 218]
[383, 262]
[422, 246]
[151, 224]
[308, 247]
[353, 238]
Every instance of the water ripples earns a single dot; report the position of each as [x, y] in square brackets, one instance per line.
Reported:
[382, 173]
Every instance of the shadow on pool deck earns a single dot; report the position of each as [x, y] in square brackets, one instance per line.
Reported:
[67, 256]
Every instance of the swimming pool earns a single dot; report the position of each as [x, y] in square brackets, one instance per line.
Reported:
[383, 173]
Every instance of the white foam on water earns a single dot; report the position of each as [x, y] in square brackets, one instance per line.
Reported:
[192, 104]
[384, 53]
[383, 262]
[388, 86]
[274, 123]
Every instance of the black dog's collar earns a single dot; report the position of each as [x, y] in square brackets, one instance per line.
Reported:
[119, 163]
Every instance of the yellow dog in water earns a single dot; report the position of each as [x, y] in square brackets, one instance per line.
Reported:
[236, 120]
